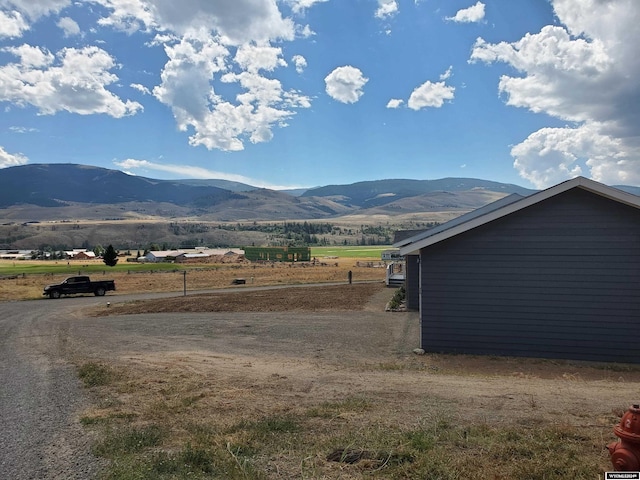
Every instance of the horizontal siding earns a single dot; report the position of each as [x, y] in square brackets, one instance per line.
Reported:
[412, 283]
[559, 279]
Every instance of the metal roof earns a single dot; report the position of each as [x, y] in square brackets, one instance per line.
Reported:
[506, 206]
[514, 197]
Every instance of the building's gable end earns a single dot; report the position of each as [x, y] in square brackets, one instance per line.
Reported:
[556, 279]
[456, 227]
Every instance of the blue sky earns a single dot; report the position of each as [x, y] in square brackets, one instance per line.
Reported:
[300, 93]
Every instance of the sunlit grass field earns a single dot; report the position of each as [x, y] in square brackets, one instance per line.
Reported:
[350, 251]
[88, 267]
[77, 267]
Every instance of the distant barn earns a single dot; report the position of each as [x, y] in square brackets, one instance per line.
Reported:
[553, 275]
[277, 254]
[193, 255]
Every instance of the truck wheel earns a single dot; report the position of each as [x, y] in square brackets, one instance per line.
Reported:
[54, 294]
[100, 292]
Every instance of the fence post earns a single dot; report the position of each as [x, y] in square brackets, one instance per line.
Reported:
[184, 274]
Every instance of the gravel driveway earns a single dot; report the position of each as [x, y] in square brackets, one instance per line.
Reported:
[40, 395]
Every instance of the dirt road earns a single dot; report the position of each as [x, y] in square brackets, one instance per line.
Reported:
[289, 358]
[40, 395]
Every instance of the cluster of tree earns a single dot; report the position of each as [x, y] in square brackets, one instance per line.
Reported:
[293, 234]
[109, 255]
[188, 228]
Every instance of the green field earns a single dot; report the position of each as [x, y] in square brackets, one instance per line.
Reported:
[350, 251]
[10, 268]
[62, 267]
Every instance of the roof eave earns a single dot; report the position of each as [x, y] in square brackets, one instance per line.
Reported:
[578, 182]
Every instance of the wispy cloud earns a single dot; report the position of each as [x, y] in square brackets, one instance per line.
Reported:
[16, 129]
[130, 165]
[69, 26]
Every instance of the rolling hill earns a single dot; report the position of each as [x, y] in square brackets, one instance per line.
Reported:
[40, 192]
[381, 192]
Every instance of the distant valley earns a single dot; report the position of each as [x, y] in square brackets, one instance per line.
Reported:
[63, 206]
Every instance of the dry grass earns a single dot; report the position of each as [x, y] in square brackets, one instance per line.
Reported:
[202, 277]
[248, 427]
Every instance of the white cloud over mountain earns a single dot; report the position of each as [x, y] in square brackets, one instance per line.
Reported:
[11, 159]
[188, 171]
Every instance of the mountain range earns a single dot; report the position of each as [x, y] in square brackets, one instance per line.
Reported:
[38, 192]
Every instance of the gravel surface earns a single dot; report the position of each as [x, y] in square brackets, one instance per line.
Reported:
[40, 396]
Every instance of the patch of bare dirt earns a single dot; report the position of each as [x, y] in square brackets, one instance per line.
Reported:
[291, 299]
[334, 341]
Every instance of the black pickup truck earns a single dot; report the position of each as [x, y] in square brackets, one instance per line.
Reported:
[79, 284]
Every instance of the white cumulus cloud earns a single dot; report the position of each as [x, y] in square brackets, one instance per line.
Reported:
[141, 88]
[430, 94]
[35, 9]
[12, 24]
[345, 84]
[74, 80]
[472, 14]
[225, 123]
[386, 9]
[16, 16]
[209, 44]
[584, 72]
[236, 21]
[11, 159]
[395, 103]
[300, 62]
[253, 58]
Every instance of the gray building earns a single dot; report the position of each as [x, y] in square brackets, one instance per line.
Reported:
[553, 275]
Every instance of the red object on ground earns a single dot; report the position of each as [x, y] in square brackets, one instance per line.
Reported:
[625, 453]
